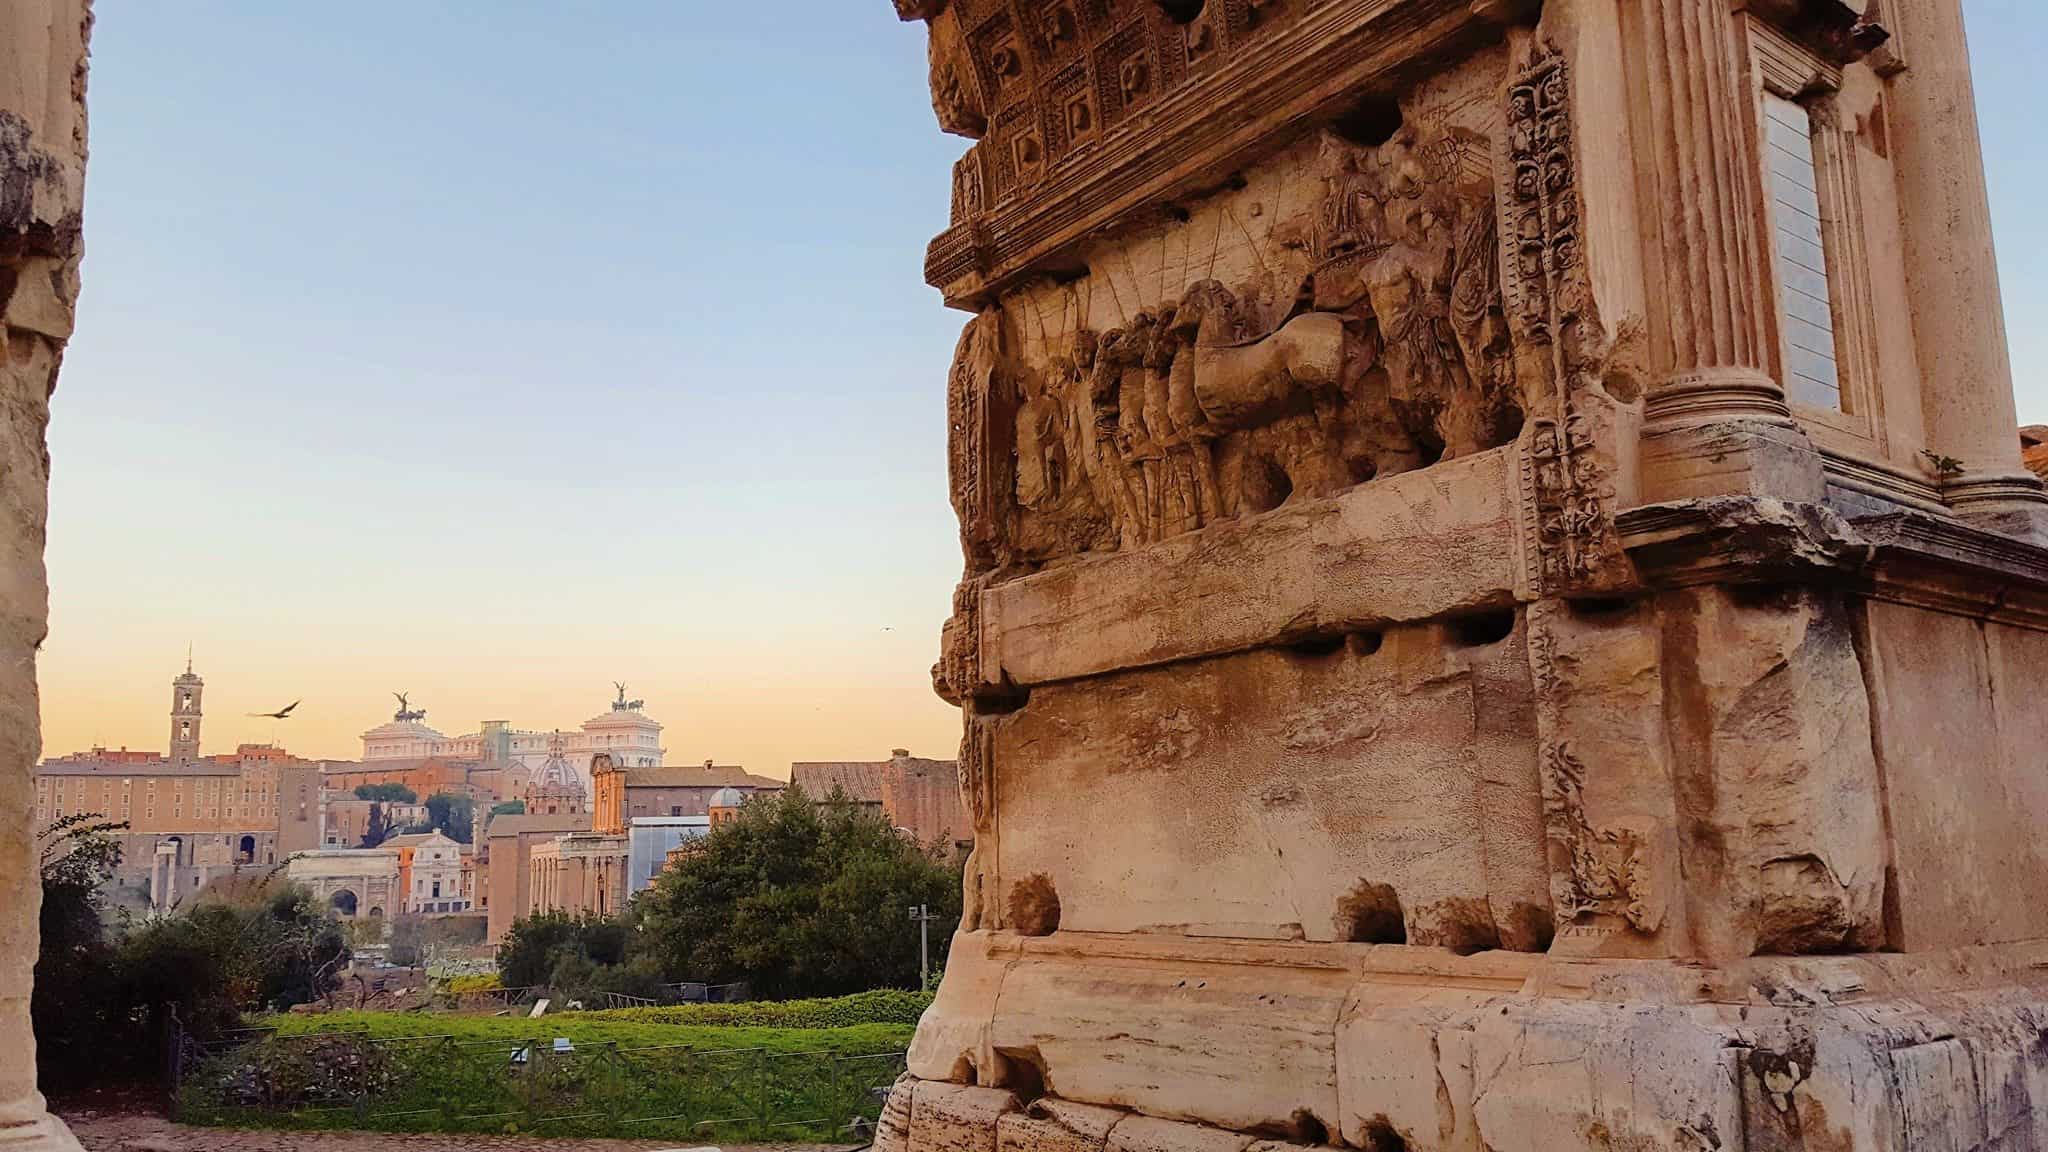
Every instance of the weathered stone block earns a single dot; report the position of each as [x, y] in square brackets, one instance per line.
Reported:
[1055, 1125]
[1150, 1134]
[1286, 794]
[957, 1117]
[1777, 781]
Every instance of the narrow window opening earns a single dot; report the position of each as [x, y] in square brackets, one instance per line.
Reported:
[1806, 316]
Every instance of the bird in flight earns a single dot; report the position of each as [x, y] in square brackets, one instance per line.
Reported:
[283, 713]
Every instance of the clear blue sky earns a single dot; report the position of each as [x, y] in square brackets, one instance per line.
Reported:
[495, 351]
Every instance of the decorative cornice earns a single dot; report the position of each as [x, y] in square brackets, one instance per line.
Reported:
[1905, 557]
[1194, 136]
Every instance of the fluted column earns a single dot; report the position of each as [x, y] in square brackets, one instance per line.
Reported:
[1715, 419]
[1952, 270]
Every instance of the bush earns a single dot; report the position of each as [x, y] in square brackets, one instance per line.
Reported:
[886, 1006]
[103, 1003]
[799, 899]
[535, 945]
[486, 982]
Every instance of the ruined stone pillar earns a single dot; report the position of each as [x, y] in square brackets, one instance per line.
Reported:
[42, 184]
[1716, 421]
[1424, 687]
[1957, 315]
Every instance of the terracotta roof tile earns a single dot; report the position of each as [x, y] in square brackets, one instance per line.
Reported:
[2034, 449]
[698, 776]
[861, 780]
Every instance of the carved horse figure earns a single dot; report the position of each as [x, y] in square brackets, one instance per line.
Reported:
[1235, 383]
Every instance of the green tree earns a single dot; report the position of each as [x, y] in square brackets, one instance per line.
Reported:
[536, 946]
[76, 965]
[377, 828]
[389, 793]
[509, 808]
[799, 898]
[452, 815]
[103, 1002]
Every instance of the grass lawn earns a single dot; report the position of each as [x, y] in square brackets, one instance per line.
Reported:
[584, 1029]
[401, 1072]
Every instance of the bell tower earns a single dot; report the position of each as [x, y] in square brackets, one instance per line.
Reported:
[185, 714]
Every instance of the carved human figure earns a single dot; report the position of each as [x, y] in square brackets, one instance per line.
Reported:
[1135, 424]
[1109, 358]
[1041, 445]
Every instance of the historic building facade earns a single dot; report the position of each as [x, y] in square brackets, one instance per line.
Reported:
[586, 871]
[430, 872]
[918, 796]
[191, 818]
[624, 731]
[685, 791]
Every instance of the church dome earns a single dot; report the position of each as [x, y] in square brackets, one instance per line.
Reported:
[728, 798]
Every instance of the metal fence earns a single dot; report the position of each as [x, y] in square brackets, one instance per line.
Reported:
[500, 999]
[448, 1084]
[492, 999]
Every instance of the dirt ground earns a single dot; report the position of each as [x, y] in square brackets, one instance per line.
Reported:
[131, 1132]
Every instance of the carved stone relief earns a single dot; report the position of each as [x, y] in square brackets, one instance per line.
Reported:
[1337, 317]
[1600, 793]
[1560, 343]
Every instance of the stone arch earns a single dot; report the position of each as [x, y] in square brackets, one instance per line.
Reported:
[344, 901]
[247, 850]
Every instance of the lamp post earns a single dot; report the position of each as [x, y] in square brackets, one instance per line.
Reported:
[924, 917]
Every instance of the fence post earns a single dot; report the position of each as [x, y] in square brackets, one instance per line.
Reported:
[610, 1055]
[174, 1041]
[363, 1049]
[535, 1055]
[833, 1110]
[443, 1121]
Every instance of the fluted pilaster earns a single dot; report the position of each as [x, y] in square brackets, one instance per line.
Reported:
[1715, 421]
[1702, 209]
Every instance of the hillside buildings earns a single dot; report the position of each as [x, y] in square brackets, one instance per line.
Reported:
[602, 817]
[593, 859]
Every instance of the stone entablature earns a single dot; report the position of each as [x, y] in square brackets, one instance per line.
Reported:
[582, 872]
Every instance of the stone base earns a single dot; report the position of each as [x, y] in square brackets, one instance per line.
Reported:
[1168, 1043]
[47, 1134]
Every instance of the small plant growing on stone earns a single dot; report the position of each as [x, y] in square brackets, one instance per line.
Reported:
[1946, 467]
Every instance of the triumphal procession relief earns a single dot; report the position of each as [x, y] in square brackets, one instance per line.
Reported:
[1501, 608]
